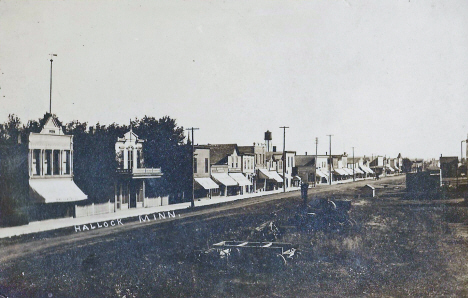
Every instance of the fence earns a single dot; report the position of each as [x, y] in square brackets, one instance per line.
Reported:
[94, 209]
[155, 202]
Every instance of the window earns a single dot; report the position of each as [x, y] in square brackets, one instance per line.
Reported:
[130, 159]
[206, 165]
[138, 164]
[36, 164]
[67, 162]
[56, 156]
[48, 162]
[120, 159]
[195, 170]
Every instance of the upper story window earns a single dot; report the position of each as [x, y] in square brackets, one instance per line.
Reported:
[36, 162]
[130, 159]
[48, 162]
[195, 168]
[139, 159]
[206, 165]
[56, 163]
[67, 158]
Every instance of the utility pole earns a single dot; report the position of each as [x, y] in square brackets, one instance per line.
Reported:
[50, 102]
[330, 163]
[315, 163]
[385, 165]
[284, 157]
[461, 158]
[354, 161]
[193, 167]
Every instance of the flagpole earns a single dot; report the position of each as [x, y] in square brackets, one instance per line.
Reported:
[50, 102]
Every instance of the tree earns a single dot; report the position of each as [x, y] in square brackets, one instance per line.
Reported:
[164, 147]
[10, 130]
[406, 165]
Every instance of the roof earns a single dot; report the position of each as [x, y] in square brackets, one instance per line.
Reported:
[51, 125]
[354, 159]
[246, 149]
[448, 159]
[219, 152]
[305, 160]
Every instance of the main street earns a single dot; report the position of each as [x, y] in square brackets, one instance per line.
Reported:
[399, 248]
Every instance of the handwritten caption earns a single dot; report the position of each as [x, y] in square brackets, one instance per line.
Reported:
[118, 222]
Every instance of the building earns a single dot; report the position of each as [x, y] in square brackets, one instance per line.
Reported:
[204, 185]
[305, 169]
[258, 151]
[227, 169]
[133, 176]
[36, 176]
[355, 164]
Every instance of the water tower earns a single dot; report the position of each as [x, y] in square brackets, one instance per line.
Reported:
[268, 140]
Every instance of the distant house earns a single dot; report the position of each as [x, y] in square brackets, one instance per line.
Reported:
[130, 187]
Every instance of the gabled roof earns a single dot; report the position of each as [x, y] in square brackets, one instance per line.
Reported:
[130, 136]
[219, 152]
[51, 125]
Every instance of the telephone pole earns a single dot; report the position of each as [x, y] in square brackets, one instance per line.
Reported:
[50, 102]
[284, 157]
[354, 161]
[193, 167]
[330, 163]
[315, 163]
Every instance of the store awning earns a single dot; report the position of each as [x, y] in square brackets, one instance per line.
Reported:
[264, 174]
[366, 169]
[240, 178]
[357, 170]
[55, 190]
[390, 168]
[321, 174]
[286, 174]
[276, 177]
[224, 179]
[297, 178]
[340, 171]
[271, 175]
[207, 183]
[349, 171]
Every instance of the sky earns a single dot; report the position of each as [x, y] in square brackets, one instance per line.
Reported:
[384, 77]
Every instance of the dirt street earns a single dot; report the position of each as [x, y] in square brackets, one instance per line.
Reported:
[393, 247]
